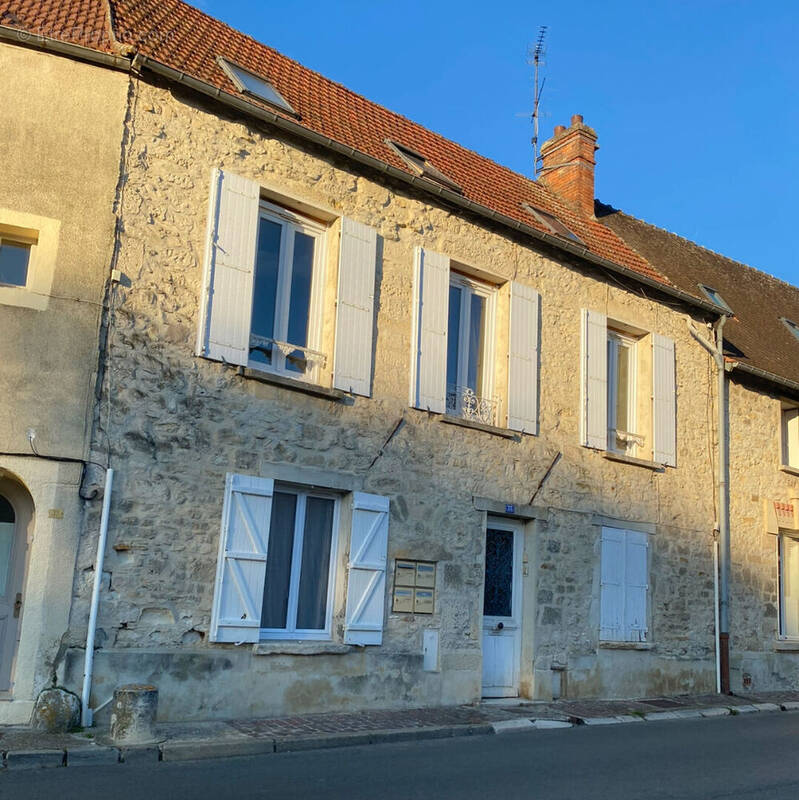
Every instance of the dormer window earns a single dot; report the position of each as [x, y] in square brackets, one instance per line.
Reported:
[714, 297]
[254, 85]
[552, 223]
[422, 167]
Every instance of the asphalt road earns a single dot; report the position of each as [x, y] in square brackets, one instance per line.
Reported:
[747, 756]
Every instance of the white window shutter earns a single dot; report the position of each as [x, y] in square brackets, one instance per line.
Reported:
[664, 395]
[229, 268]
[790, 421]
[352, 370]
[241, 568]
[366, 585]
[523, 352]
[429, 331]
[594, 375]
[636, 586]
[611, 591]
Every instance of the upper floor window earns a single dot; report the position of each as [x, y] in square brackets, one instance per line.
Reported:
[791, 326]
[790, 436]
[285, 305]
[469, 354]
[14, 261]
[622, 394]
[265, 303]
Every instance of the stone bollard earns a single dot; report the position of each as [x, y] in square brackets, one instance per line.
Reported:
[56, 711]
[133, 714]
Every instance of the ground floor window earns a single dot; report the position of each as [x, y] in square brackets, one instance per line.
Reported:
[300, 565]
[789, 586]
[624, 586]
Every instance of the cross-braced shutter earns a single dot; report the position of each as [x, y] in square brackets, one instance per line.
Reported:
[636, 586]
[229, 268]
[241, 569]
[366, 585]
[611, 595]
[523, 359]
[664, 394]
[429, 331]
[352, 371]
[594, 380]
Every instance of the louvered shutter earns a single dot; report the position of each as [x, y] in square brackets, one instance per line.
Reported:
[611, 593]
[366, 585]
[595, 380]
[429, 333]
[790, 421]
[241, 568]
[523, 359]
[636, 586]
[352, 370]
[229, 267]
[664, 394]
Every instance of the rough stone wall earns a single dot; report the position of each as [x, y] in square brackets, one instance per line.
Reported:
[177, 424]
[755, 476]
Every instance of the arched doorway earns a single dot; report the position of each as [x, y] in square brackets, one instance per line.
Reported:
[15, 518]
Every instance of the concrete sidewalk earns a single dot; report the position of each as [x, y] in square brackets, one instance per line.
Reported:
[23, 748]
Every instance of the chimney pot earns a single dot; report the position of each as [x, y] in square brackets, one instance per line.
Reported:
[568, 164]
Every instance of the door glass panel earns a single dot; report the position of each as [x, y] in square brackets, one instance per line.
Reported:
[7, 519]
[300, 298]
[278, 560]
[474, 375]
[498, 598]
[316, 542]
[267, 267]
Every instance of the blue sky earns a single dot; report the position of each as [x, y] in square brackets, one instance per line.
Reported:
[696, 104]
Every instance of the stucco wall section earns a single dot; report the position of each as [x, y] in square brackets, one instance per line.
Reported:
[178, 424]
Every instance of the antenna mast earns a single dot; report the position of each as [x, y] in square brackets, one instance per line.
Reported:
[536, 57]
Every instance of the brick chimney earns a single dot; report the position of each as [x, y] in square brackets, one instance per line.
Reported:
[567, 164]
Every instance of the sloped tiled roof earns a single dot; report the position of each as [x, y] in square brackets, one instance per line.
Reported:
[185, 39]
[757, 300]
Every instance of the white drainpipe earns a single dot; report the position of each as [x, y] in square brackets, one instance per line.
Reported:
[88, 662]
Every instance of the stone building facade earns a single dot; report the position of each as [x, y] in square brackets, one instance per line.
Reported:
[485, 466]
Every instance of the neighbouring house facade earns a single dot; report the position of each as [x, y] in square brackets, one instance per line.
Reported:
[391, 425]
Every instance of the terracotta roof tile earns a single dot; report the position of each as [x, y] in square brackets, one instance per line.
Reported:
[184, 38]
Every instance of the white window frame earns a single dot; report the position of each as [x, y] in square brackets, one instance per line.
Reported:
[633, 439]
[291, 631]
[781, 634]
[292, 222]
[470, 286]
[785, 449]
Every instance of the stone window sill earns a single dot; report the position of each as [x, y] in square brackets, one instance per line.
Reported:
[627, 645]
[299, 648]
[504, 433]
[786, 646]
[636, 462]
[789, 470]
[336, 395]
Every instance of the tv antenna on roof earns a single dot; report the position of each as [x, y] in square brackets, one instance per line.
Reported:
[535, 56]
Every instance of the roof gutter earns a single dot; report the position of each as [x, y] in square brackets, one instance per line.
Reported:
[27, 39]
[144, 62]
[763, 374]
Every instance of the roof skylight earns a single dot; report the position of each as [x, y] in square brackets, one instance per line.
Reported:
[421, 166]
[254, 85]
[551, 222]
[791, 326]
[715, 297]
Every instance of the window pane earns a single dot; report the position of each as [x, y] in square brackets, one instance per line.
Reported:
[316, 543]
[267, 267]
[474, 375]
[790, 585]
[278, 560]
[14, 263]
[623, 388]
[453, 334]
[300, 298]
[498, 598]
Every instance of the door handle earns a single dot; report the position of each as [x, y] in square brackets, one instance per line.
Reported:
[18, 605]
[500, 626]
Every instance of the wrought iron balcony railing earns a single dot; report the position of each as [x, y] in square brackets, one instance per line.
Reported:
[462, 401]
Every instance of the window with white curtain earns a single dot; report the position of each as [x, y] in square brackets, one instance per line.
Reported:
[622, 394]
[300, 565]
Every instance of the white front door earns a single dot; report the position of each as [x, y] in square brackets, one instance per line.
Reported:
[502, 609]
